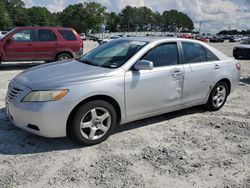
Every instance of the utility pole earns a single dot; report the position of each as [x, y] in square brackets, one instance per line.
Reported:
[200, 28]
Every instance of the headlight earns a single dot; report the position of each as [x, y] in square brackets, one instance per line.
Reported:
[43, 96]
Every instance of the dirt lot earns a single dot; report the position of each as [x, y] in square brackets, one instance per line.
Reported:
[188, 148]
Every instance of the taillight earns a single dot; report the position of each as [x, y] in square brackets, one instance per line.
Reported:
[238, 66]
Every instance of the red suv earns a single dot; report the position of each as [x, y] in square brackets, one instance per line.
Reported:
[40, 44]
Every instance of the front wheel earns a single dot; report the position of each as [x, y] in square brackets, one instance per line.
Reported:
[93, 122]
[218, 96]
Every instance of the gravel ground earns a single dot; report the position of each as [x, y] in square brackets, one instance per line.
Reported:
[188, 148]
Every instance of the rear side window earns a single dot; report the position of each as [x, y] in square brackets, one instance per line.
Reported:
[163, 55]
[193, 53]
[210, 55]
[67, 35]
[46, 35]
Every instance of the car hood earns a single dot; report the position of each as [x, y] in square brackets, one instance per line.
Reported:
[243, 46]
[60, 74]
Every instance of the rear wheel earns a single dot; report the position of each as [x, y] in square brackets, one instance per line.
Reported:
[63, 56]
[93, 122]
[218, 96]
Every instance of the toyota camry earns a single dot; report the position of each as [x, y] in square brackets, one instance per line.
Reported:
[119, 82]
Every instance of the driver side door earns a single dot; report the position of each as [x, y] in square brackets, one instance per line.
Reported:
[152, 91]
[21, 46]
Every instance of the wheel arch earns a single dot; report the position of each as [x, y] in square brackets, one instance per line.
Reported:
[64, 52]
[228, 82]
[106, 98]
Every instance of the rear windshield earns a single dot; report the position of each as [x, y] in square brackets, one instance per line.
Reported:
[67, 35]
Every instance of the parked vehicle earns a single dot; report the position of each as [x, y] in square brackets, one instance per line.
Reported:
[3, 33]
[40, 44]
[108, 39]
[234, 39]
[185, 36]
[83, 36]
[242, 50]
[201, 38]
[92, 37]
[121, 81]
[170, 35]
[216, 39]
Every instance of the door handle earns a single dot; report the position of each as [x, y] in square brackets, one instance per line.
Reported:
[29, 44]
[216, 66]
[56, 44]
[177, 73]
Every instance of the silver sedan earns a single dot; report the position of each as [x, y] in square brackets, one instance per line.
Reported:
[119, 82]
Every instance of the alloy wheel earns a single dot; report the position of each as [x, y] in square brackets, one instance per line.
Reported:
[219, 96]
[95, 123]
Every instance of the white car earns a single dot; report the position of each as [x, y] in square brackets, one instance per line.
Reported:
[3, 33]
[110, 38]
[83, 36]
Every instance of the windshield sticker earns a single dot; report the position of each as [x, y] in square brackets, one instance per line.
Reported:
[138, 43]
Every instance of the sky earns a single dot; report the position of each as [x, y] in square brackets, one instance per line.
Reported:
[215, 15]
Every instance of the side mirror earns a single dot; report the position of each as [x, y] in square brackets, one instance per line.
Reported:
[144, 65]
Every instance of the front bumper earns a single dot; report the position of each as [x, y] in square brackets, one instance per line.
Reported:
[48, 118]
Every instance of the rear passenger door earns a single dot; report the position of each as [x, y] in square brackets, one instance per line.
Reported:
[46, 45]
[202, 68]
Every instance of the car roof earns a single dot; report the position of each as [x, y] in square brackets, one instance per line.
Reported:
[151, 39]
[43, 27]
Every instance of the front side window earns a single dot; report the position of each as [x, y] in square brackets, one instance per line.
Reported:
[68, 35]
[46, 35]
[163, 55]
[193, 52]
[24, 36]
[113, 54]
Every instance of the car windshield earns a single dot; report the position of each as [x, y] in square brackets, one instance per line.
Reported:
[247, 41]
[113, 54]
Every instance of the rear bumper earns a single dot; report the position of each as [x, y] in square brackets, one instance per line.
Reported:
[79, 53]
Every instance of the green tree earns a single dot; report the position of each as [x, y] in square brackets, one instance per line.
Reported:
[177, 21]
[112, 21]
[96, 14]
[17, 12]
[128, 18]
[83, 17]
[42, 17]
[5, 21]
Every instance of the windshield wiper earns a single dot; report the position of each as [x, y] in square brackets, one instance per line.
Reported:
[87, 62]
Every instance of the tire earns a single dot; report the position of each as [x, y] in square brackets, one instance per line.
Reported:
[93, 122]
[218, 96]
[63, 56]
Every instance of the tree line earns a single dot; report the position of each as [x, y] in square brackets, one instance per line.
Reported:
[87, 16]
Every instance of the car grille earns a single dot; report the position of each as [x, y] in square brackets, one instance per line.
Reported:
[13, 91]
